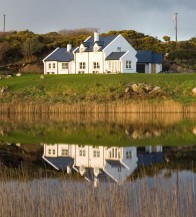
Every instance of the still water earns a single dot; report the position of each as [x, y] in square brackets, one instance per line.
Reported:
[104, 147]
[143, 155]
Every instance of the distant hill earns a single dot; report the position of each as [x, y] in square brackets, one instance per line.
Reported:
[19, 49]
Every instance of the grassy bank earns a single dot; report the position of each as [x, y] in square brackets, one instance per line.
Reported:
[99, 89]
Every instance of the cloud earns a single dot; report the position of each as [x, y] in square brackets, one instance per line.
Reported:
[150, 17]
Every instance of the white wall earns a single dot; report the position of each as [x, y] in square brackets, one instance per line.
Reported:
[55, 150]
[129, 56]
[82, 57]
[51, 70]
[158, 68]
[58, 68]
[70, 70]
[121, 174]
[148, 68]
[89, 160]
[96, 57]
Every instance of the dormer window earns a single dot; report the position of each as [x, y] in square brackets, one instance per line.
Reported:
[96, 47]
[82, 48]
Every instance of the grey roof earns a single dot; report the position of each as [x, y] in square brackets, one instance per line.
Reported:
[147, 56]
[102, 176]
[115, 55]
[61, 162]
[86, 44]
[103, 42]
[61, 55]
[146, 159]
[115, 163]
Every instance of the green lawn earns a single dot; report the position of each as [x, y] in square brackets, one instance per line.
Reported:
[94, 88]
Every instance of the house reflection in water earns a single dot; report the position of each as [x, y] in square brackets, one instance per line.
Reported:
[99, 163]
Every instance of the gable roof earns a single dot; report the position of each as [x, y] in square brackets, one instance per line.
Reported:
[60, 162]
[61, 55]
[115, 55]
[104, 41]
[115, 163]
[147, 56]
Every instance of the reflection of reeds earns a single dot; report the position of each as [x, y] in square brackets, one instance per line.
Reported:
[94, 117]
[52, 197]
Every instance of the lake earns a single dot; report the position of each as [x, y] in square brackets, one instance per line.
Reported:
[98, 164]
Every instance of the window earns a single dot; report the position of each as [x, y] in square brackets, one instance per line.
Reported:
[96, 154]
[64, 152]
[119, 49]
[128, 64]
[54, 65]
[53, 151]
[82, 65]
[82, 153]
[49, 65]
[49, 151]
[128, 155]
[64, 65]
[96, 65]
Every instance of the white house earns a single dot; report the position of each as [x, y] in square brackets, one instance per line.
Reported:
[99, 163]
[97, 54]
[93, 162]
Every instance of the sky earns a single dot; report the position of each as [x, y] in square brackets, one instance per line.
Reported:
[151, 17]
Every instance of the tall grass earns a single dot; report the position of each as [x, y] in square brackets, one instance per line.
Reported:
[140, 107]
[63, 197]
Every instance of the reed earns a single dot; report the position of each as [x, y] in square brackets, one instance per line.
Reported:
[63, 197]
[140, 107]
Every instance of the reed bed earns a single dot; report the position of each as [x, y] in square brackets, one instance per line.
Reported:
[140, 107]
[58, 197]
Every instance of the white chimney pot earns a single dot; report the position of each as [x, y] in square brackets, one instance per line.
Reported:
[96, 36]
[69, 47]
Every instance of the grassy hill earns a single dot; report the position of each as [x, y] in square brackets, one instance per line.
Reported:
[72, 89]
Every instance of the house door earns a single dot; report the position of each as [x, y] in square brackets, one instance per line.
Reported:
[140, 68]
[153, 68]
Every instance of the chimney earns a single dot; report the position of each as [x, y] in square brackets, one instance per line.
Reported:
[69, 47]
[96, 36]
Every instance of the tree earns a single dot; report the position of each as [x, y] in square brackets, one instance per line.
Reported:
[4, 47]
[31, 46]
[166, 38]
[77, 32]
